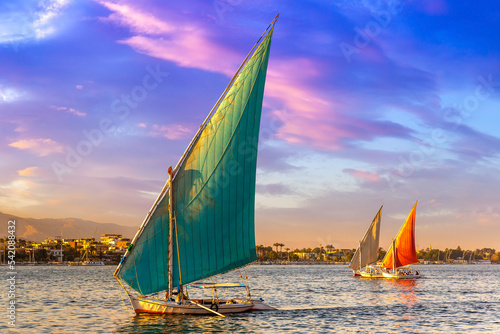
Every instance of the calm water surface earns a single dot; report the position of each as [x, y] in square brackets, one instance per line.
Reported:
[310, 299]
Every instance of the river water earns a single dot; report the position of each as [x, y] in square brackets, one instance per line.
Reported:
[309, 299]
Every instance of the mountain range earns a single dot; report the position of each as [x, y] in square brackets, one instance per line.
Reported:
[71, 228]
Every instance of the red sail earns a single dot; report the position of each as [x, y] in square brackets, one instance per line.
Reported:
[406, 252]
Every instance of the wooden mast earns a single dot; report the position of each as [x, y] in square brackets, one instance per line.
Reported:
[393, 256]
[170, 235]
[359, 256]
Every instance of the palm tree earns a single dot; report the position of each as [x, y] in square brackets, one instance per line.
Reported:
[309, 251]
[281, 249]
[276, 244]
[259, 250]
[287, 252]
[381, 253]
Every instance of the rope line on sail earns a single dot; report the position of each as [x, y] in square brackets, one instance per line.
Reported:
[178, 257]
[245, 282]
[121, 297]
[247, 285]
[214, 290]
[198, 242]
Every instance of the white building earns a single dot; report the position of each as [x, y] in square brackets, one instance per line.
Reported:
[57, 253]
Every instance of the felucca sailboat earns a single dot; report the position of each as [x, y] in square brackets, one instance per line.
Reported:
[367, 252]
[202, 223]
[402, 252]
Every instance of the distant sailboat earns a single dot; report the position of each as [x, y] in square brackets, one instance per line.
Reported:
[402, 252]
[202, 223]
[471, 261]
[88, 262]
[367, 252]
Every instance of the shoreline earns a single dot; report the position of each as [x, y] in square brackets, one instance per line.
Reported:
[257, 263]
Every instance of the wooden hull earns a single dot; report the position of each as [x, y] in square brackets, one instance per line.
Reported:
[400, 276]
[260, 306]
[158, 306]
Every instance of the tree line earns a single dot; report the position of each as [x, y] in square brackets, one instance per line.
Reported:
[277, 252]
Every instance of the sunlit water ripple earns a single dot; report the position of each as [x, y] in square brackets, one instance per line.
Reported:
[449, 299]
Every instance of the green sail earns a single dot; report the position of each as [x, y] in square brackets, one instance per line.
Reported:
[145, 268]
[213, 194]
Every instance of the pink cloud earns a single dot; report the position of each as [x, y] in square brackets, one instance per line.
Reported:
[185, 44]
[363, 175]
[307, 115]
[292, 84]
[137, 21]
[185, 51]
[41, 147]
[172, 132]
[30, 171]
[289, 81]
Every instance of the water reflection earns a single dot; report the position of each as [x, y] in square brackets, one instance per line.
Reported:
[405, 303]
[318, 299]
[402, 291]
[145, 323]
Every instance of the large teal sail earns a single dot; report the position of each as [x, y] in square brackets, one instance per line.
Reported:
[213, 194]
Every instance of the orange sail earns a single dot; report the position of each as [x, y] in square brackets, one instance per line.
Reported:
[404, 244]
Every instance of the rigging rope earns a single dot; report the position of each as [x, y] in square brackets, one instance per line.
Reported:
[123, 301]
[178, 259]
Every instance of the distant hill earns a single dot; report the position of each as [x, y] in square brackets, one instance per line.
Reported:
[40, 229]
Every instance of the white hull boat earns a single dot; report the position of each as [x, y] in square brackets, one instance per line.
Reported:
[402, 274]
[202, 307]
[372, 272]
[93, 263]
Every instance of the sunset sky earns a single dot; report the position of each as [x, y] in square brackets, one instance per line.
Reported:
[367, 104]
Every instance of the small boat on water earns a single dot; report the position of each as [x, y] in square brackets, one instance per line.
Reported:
[202, 223]
[372, 271]
[402, 252]
[92, 263]
[367, 251]
[86, 261]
